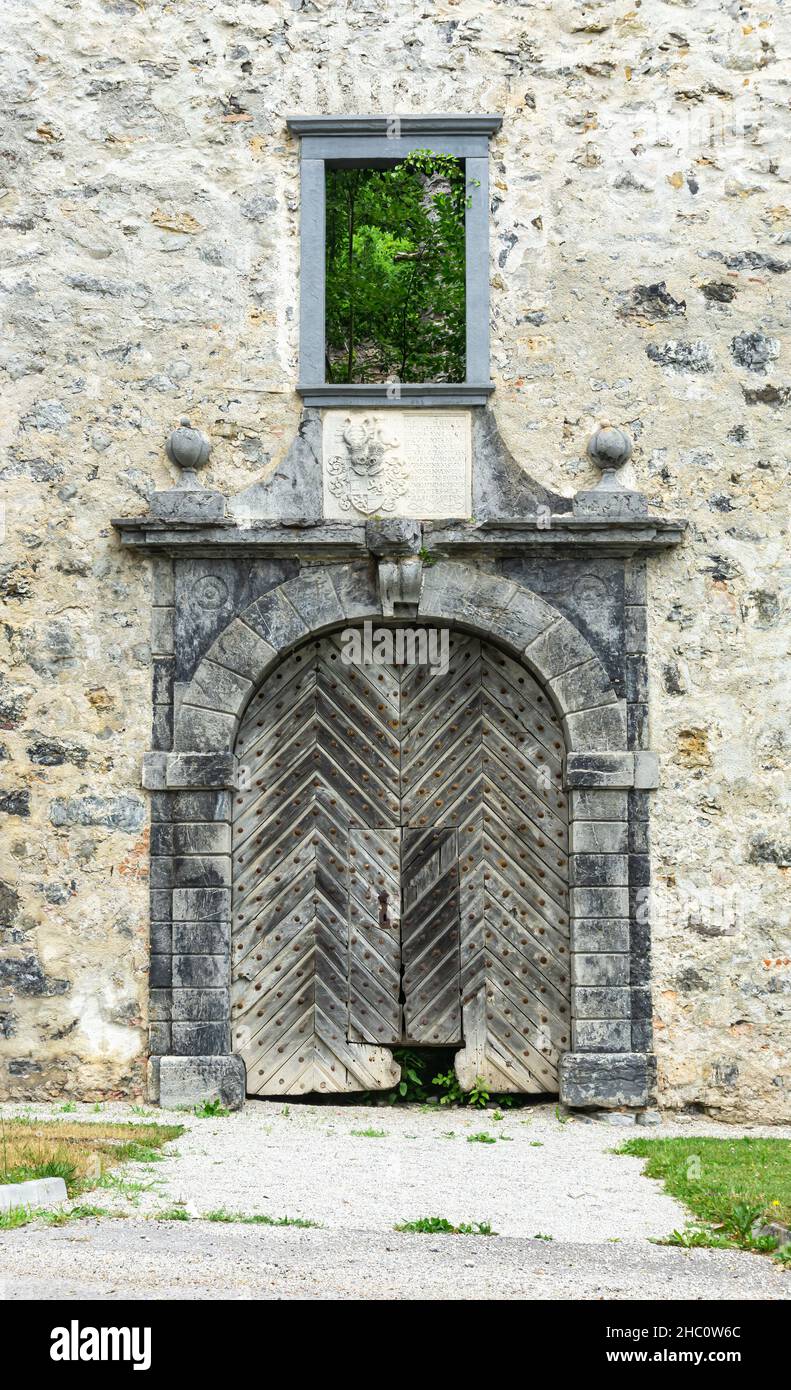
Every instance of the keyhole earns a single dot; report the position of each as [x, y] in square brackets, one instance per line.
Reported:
[384, 920]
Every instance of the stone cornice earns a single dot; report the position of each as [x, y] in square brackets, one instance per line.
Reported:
[445, 124]
[564, 532]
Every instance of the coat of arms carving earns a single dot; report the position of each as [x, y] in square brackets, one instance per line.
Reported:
[370, 475]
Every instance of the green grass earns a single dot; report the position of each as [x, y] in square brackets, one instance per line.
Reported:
[78, 1151]
[21, 1216]
[481, 1138]
[369, 1133]
[17, 1216]
[729, 1185]
[440, 1226]
[29, 1169]
[260, 1219]
[172, 1214]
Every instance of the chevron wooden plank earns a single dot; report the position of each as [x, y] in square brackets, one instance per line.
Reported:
[441, 739]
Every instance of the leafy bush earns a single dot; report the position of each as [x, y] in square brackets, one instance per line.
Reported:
[395, 271]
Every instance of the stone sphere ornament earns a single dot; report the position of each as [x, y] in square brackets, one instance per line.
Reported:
[609, 448]
[189, 449]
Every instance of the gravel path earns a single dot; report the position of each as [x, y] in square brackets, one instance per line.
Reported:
[544, 1174]
[144, 1259]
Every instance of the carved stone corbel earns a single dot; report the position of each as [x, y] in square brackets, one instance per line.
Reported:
[400, 582]
[396, 542]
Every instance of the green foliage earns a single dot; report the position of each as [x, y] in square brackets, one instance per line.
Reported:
[140, 1153]
[49, 1168]
[477, 1097]
[369, 1133]
[440, 1226]
[78, 1213]
[411, 1089]
[173, 1214]
[691, 1239]
[16, 1217]
[482, 1138]
[395, 263]
[414, 1088]
[260, 1219]
[730, 1185]
[22, 1216]
[211, 1110]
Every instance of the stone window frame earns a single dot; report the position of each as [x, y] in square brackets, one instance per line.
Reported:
[366, 140]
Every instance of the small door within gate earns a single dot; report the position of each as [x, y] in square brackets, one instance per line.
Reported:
[400, 873]
[404, 961]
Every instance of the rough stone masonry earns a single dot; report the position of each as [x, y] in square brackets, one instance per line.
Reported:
[640, 259]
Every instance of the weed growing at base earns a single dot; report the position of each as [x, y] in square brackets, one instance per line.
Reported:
[440, 1226]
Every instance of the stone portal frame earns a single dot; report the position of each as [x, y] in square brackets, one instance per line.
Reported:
[610, 1061]
[371, 140]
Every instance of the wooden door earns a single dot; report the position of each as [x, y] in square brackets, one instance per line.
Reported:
[400, 873]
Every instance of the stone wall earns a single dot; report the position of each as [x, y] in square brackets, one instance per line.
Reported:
[641, 249]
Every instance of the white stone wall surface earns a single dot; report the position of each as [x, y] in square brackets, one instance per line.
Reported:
[640, 274]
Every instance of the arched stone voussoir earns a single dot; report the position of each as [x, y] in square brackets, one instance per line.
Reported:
[358, 591]
[218, 688]
[214, 699]
[312, 602]
[322, 598]
[246, 650]
[603, 728]
[485, 603]
[314, 598]
[592, 715]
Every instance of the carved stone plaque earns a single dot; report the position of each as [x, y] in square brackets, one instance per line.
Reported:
[396, 463]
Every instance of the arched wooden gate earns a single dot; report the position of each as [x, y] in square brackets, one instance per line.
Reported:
[400, 872]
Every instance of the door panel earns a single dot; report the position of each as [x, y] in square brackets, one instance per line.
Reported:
[299, 794]
[374, 936]
[430, 936]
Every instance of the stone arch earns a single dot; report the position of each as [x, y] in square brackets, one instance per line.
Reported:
[606, 955]
[548, 644]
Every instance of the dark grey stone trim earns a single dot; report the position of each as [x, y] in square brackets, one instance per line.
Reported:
[439, 124]
[365, 140]
[193, 770]
[613, 771]
[608, 777]
[590, 1080]
[568, 534]
[174, 1082]
[340, 541]
[426, 393]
